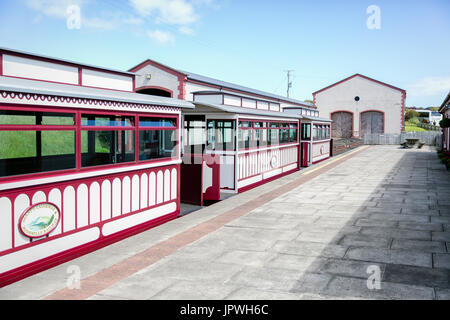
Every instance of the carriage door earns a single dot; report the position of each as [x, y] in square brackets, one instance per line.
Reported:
[342, 125]
[372, 122]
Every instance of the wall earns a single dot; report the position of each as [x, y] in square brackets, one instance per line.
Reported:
[159, 79]
[373, 96]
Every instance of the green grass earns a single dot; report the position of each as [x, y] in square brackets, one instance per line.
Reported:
[412, 125]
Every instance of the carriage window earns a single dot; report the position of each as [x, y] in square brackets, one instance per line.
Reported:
[13, 117]
[106, 121]
[112, 143]
[284, 133]
[306, 131]
[260, 134]
[220, 135]
[245, 140]
[106, 147]
[274, 135]
[26, 148]
[157, 122]
[314, 132]
[157, 138]
[293, 132]
[157, 144]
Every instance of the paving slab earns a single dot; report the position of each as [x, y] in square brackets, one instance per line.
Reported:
[315, 234]
[403, 257]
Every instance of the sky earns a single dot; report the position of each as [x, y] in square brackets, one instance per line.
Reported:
[248, 42]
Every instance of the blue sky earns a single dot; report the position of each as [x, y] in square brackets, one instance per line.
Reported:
[248, 42]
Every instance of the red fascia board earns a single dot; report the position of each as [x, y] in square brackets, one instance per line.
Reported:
[157, 65]
[362, 76]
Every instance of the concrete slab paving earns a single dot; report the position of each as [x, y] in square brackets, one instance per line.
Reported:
[377, 214]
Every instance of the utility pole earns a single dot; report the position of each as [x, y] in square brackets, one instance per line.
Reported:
[289, 82]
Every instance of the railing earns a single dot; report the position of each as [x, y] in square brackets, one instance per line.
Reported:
[432, 138]
[258, 162]
[428, 126]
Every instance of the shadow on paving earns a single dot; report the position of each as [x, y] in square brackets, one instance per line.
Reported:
[385, 207]
[386, 210]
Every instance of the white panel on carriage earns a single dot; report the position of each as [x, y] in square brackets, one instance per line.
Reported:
[106, 200]
[227, 172]
[54, 197]
[135, 193]
[5, 224]
[138, 218]
[46, 249]
[99, 79]
[207, 176]
[249, 181]
[144, 191]
[68, 209]
[274, 107]
[94, 203]
[116, 197]
[126, 195]
[166, 185]
[21, 203]
[262, 105]
[290, 167]
[173, 184]
[232, 100]
[39, 196]
[272, 173]
[159, 187]
[249, 103]
[208, 98]
[82, 206]
[35, 69]
[152, 189]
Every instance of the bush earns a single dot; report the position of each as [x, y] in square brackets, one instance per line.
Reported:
[445, 123]
[444, 157]
[409, 114]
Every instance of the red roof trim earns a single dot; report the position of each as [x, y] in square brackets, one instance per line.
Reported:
[359, 75]
[158, 65]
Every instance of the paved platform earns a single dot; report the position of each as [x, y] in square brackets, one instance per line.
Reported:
[373, 223]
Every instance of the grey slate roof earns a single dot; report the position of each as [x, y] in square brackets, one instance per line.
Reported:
[224, 84]
[240, 110]
[65, 90]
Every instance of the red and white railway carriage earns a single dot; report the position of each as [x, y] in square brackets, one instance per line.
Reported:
[84, 161]
[239, 147]
[315, 137]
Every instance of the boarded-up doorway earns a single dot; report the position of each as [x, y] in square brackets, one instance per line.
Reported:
[372, 122]
[342, 125]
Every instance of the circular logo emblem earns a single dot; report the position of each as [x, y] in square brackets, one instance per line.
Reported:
[274, 162]
[39, 220]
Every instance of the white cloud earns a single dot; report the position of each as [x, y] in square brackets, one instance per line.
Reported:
[429, 86]
[179, 12]
[133, 20]
[53, 8]
[162, 37]
[186, 30]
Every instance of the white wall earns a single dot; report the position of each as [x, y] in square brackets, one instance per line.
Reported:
[373, 96]
[159, 78]
[40, 70]
[98, 79]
